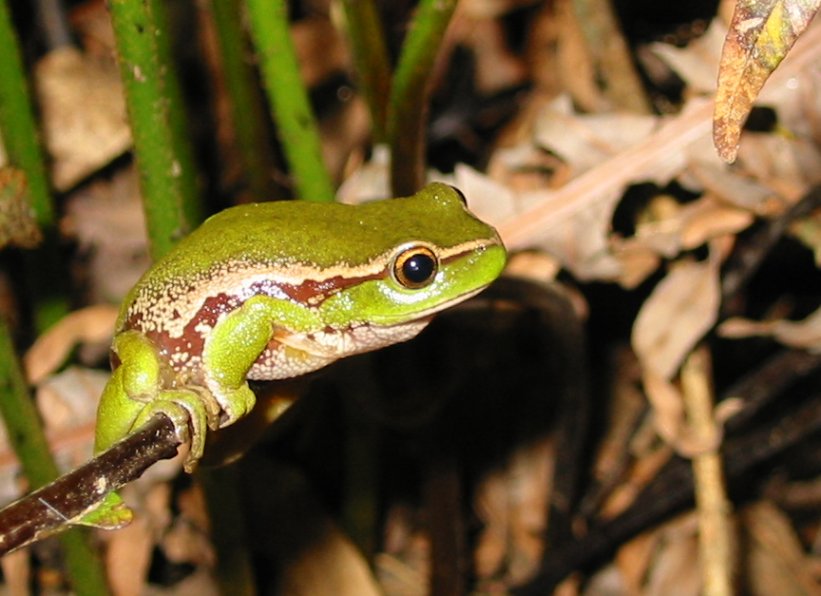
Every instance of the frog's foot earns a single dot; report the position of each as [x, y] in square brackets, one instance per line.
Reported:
[192, 411]
[110, 514]
[235, 402]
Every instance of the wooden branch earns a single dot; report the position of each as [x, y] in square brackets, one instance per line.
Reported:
[48, 510]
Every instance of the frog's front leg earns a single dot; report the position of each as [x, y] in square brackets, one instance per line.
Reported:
[234, 345]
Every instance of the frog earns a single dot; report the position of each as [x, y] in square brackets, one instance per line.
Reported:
[275, 290]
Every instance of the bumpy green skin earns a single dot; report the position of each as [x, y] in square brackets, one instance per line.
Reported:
[274, 290]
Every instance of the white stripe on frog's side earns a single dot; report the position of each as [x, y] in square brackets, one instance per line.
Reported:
[170, 308]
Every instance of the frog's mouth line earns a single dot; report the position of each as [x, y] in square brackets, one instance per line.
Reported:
[425, 316]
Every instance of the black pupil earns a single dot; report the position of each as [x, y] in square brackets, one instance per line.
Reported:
[418, 268]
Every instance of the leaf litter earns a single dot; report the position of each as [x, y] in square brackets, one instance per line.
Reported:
[554, 185]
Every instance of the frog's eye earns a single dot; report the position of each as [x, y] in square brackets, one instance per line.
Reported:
[415, 267]
[461, 195]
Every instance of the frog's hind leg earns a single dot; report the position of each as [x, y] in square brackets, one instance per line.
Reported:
[135, 392]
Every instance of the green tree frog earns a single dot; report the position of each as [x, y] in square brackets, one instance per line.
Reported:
[274, 290]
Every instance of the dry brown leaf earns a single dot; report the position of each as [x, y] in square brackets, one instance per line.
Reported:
[633, 559]
[90, 324]
[673, 566]
[585, 140]
[761, 33]
[636, 262]
[681, 308]
[18, 224]
[735, 188]
[542, 217]
[16, 568]
[83, 114]
[332, 567]
[659, 157]
[69, 398]
[707, 219]
[697, 63]
[575, 67]
[512, 504]
[776, 562]
[128, 558]
[487, 198]
[661, 561]
[492, 509]
[804, 334]
[106, 218]
[640, 474]
[687, 227]
[787, 165]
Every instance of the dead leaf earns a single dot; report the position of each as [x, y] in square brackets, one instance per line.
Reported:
[680, 310]
[671, 567]
[487, 198]
[128, 557]
[17, 572]
[68, 400]
[659, 157]
[90, 324]
[18, 223]
[676, 315]
[687, 227]
[697, 62]
[660, 561]
[106, 218]
[761, 33]
[332, 567]
[707, 219]
[511, 504]
[83, 114]
[585, 140]
[735, 187]
[805, 334]
[776, 562]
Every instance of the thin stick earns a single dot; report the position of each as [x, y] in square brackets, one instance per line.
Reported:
[714, 508]
[52, 508]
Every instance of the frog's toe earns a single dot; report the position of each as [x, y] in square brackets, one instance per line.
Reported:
[111, 514]
[189, 413]
[238, 403]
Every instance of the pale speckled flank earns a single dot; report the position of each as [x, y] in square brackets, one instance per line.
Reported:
[298, 354]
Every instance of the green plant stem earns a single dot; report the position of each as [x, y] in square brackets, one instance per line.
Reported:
[29, 442]
[408, 110]
[18, 127]
[160, 167]
[292, 111]
[247, 107]
[21, 139]
[370, 56]
[177, 119]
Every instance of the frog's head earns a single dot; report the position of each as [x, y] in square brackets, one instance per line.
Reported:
[420, 255]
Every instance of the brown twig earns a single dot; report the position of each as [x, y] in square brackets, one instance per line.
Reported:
[671, 492]
[46, 511]
[716, 541]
